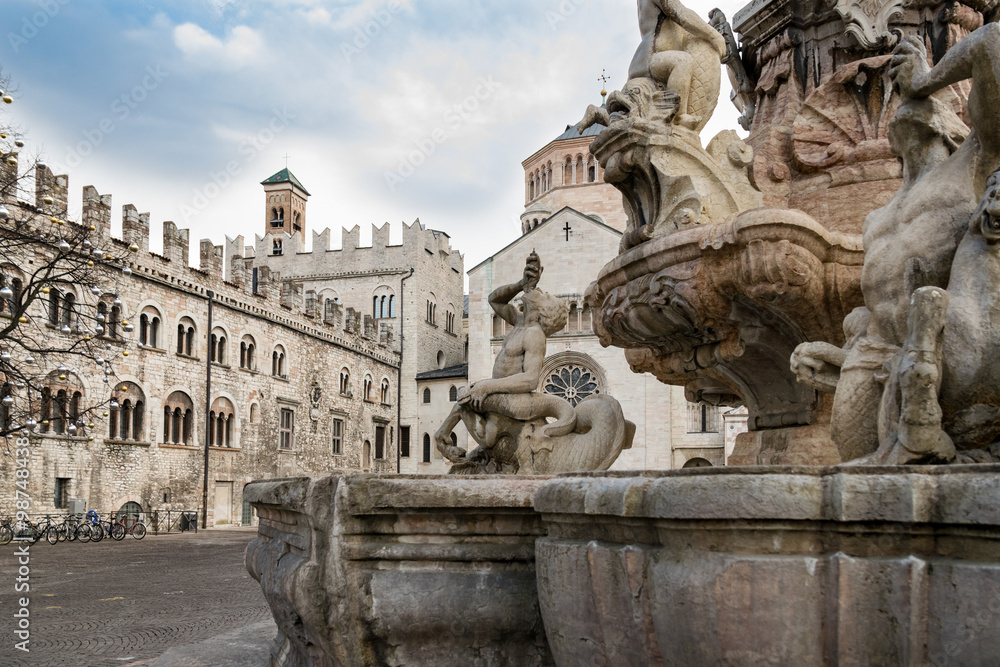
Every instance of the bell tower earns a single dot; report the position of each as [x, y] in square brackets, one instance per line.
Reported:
[285, 204]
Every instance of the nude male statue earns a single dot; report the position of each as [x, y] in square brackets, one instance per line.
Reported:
[517, 369]
[912, 251]
[670, 32]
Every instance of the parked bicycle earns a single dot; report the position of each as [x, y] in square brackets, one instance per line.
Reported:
[134, 527]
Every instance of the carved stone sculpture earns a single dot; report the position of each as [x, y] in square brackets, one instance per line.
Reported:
[931, 349]
[509, 418]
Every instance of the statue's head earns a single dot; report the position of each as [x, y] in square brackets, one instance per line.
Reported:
[986, 219]
[551, 313]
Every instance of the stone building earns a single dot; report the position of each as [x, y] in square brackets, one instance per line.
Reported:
[574, 221]
[407, 296]
[294, 391]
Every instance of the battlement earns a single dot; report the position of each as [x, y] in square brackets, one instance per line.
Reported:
[228, 269]
[419, 242]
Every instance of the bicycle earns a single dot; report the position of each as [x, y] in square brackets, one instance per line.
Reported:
[134, 527]
[98, 528]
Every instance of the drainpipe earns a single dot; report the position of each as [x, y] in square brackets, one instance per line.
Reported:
[399, 375]
[208, 408]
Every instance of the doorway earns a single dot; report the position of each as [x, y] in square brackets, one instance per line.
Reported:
[223, 503]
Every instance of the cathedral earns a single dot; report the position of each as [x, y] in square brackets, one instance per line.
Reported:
[574, 220]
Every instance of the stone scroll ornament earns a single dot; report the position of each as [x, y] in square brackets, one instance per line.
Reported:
[918, 380]
[519, 429]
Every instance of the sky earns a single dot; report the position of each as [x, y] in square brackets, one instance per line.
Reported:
[387, 110]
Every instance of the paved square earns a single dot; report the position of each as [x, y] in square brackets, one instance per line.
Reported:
[117, 603]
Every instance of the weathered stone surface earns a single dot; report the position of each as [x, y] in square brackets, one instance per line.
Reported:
[378, 570]
[786, 565]
[929, 348]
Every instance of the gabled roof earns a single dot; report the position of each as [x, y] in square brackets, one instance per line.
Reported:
[443, 373]
[285, 176]
[520, 238]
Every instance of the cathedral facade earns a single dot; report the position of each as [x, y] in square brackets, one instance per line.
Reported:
[574, 220]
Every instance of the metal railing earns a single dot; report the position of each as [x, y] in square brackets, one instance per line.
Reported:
[156, 521]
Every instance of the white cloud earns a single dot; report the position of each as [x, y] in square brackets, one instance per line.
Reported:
[200, 46]
[318, 16]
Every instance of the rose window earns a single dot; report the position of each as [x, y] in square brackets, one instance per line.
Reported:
[573, 383]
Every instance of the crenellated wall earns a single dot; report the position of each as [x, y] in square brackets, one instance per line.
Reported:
[314, 350]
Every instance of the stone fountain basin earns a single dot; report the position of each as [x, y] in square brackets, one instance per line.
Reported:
[783, 565]
[399, 570]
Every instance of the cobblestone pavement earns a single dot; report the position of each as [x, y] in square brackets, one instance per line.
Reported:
[118, 603]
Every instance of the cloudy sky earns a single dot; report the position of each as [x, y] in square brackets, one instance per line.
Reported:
[389, 110]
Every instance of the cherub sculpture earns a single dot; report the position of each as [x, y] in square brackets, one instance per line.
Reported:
[509, 418]
[680, 54]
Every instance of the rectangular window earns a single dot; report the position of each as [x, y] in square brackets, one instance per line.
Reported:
[404, 441]
[254, 282]
[703, 418]
[380, 442]
[61, 500]
[287, 428]
[338, 436]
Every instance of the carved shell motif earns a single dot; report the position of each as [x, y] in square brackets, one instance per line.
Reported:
[846, 119]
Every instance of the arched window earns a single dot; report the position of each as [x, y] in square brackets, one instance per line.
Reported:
[248, 353]
[375, 307]
[591, 174]
[149, 327]
[68, 318]
[279, 364]
[427, 395]
[222, 423]
[427, 449]
[392, 305]
[281, 213]
[453, 393]
[384, 391]
[127, 420]
[114, 317]
[440, 359]
[53, 306]
[697, 463]
[217, 346]
[367, 388]
[573, 322]
[345, 382]
[9, 277]
[586, 323]
[102, 318]
[185, 336]
[178, 419]
[254, 413]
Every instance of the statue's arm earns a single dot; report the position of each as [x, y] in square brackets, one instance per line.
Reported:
[916, 79]
[694, 24]
[519, 383]
[500, 300]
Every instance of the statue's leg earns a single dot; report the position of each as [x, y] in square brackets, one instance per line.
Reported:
[442, 437]
[920, 432]
[675, 69]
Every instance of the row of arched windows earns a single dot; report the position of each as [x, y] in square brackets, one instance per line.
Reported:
[575, 170]
[384, 306]
[452, 394]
